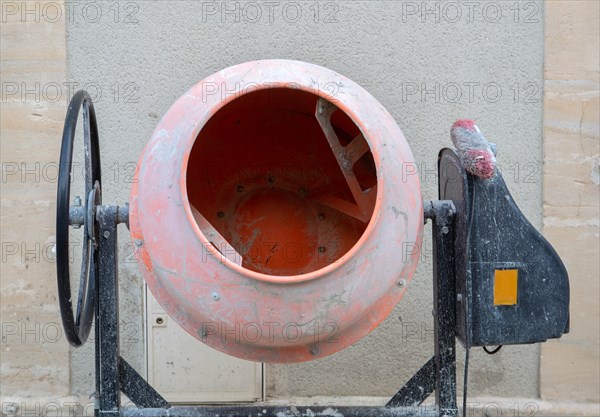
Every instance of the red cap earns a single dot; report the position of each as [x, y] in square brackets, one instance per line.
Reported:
[465, 124]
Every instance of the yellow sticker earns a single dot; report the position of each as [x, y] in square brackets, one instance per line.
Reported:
[505, 287]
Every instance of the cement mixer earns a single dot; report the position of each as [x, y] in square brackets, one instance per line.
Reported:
[272, 221]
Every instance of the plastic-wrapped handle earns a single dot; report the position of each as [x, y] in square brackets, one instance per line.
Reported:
[77, 327]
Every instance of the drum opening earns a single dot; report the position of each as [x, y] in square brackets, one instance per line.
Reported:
[282, 181]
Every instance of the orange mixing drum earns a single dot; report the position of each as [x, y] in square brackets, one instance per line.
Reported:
[271, 214]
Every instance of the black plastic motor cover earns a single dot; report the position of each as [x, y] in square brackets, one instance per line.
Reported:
[493, 234]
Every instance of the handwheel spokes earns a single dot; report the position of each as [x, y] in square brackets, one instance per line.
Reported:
[87, 148]
[89, 271]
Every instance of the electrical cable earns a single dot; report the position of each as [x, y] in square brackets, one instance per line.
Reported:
[465, 380]
[467, 345]
[493, 351]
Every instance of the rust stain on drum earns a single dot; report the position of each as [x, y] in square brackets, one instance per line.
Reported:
[262, 201]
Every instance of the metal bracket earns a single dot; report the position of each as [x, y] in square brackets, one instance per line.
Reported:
[115, 375]
[346, 157]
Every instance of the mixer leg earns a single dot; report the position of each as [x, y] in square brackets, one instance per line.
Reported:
[439, 373]
[418, 388]
[107, 316]
[444, 306]
[113, 373]
[137, 389]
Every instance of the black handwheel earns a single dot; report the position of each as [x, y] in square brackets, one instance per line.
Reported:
[77, 328]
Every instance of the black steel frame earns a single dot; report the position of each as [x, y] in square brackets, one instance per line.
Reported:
[115, 375]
